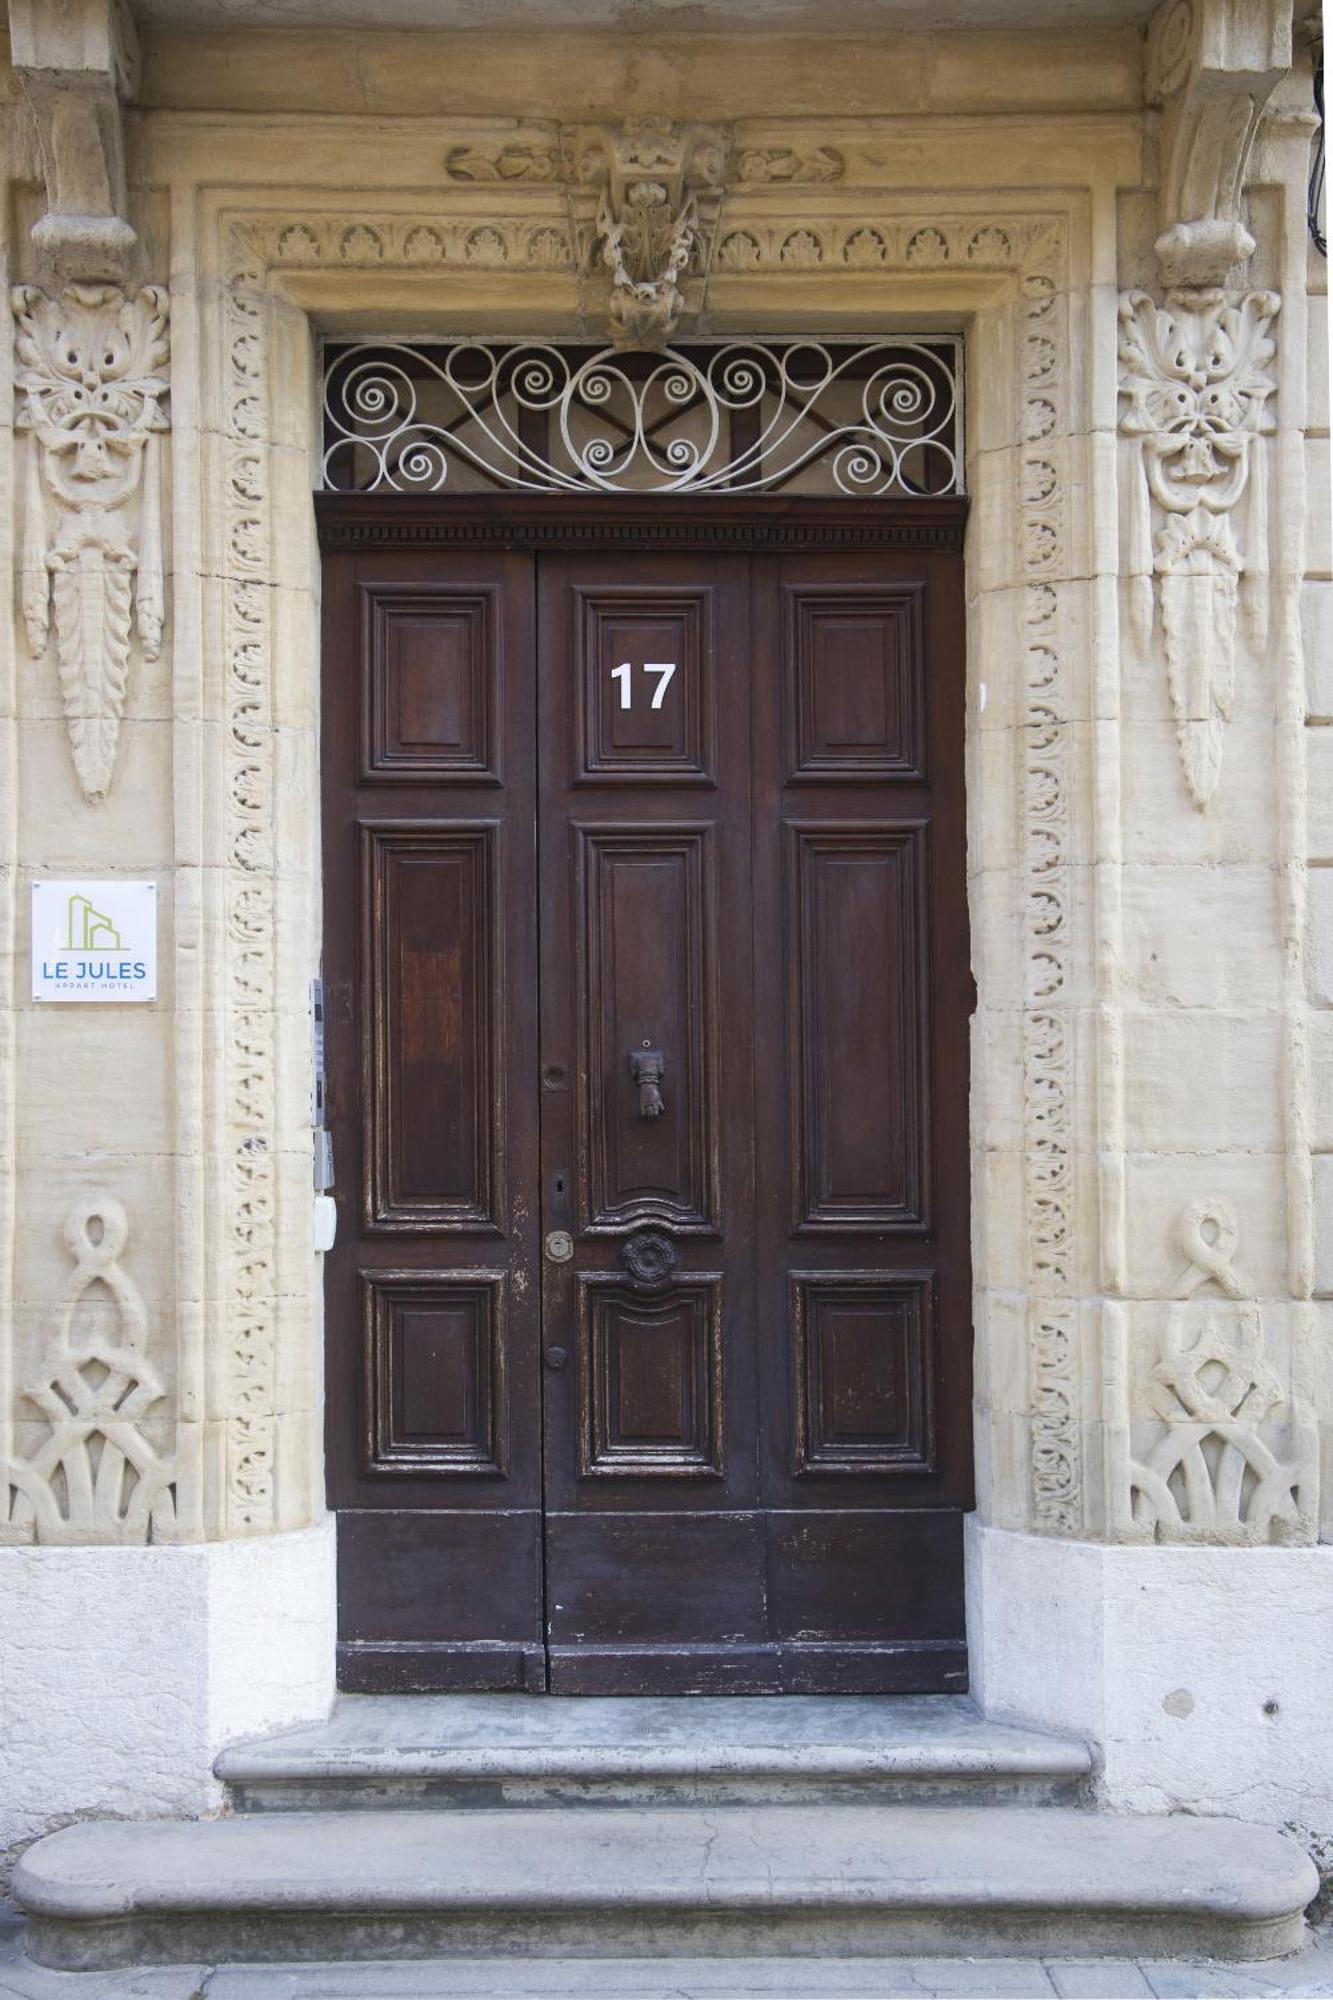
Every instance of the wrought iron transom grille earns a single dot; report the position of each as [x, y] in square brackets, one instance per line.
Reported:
[860, 418]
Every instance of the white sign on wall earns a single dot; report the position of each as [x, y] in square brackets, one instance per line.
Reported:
[94, 940]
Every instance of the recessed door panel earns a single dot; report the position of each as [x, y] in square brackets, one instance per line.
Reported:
[431, 693]
[433, 1114]
[651, 1382]
[858, 959]
[645, 689]
[645, 965]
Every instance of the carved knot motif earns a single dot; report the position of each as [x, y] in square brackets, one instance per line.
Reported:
[1195, 386]
[1209, 1476]
[93, 387]
[96, 1477]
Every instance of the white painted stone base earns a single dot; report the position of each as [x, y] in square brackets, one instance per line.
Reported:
[123, 1671]
[1203, 1677]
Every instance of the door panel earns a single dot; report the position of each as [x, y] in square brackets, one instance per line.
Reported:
[646, 969]
[648, 997]
[433, 1114]
[430, 970]
[858, 955]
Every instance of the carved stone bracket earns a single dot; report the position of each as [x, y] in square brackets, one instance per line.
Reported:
[1210, 1476]
[93, 386]
[95, 1476]
[76, 65]
[1212, 66]
[1195, 385]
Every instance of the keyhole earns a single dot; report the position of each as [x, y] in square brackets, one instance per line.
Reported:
[559, 1183]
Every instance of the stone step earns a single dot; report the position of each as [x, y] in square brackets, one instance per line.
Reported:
[489, 1750]
[844, 1880]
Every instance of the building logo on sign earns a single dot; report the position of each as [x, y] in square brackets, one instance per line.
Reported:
[94, 941]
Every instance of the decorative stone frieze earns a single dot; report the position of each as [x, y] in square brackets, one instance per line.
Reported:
[1211, 1475]
[95, 1476]
[1212, 66]
[1195, 384]
[93, 388]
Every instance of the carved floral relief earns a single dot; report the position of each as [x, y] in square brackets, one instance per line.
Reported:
[1196, 385]
[92, 383]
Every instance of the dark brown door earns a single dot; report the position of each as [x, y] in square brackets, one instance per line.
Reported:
[648, 991]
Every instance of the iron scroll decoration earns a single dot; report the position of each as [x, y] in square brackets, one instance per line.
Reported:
[854, 418]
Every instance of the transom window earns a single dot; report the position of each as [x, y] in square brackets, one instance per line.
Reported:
[857, 417]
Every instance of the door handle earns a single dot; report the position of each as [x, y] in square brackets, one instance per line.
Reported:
[648, 1067]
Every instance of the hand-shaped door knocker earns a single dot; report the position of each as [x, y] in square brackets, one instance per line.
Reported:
[648, 1067]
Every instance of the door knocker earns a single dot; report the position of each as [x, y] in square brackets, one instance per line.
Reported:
[648, 1067]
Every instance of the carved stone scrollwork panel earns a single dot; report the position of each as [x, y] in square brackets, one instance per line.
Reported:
[93, 387]
[1211, 1474]
[96, 1476]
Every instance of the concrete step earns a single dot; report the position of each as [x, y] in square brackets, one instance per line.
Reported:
[845, 1880]
[489, 1750]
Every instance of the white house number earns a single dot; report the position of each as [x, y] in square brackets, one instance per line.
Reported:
[624, 674]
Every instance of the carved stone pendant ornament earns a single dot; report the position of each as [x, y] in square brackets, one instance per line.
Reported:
[93, 385]
[1196, 385]
[645, 203]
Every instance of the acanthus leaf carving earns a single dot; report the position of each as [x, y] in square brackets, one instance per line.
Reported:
[1196, 385]
[645, 200]
[529, 157]
[1210, 1476]
[787, 166]
[96, 1476]
[93, 385]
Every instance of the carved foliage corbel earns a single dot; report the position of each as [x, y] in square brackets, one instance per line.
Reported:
[1195, 385]
[93, 386]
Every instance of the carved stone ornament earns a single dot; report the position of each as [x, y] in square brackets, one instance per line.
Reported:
[1212, 66]
[1195, 385]
[76, 64]
[1210, 1476]
[95, 1476]
[644, 207]
[93, 385]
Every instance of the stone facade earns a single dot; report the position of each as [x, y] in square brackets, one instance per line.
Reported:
[1116, 221]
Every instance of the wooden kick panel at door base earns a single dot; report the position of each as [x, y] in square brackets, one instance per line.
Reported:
[646, 942]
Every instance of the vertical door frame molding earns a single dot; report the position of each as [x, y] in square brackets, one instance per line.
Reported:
[1016, 278]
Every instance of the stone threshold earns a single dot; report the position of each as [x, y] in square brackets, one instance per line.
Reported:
[523, 1749]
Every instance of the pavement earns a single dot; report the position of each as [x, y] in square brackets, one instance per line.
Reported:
[1309, 1974]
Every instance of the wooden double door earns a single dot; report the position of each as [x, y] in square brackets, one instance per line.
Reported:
[647, 999]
